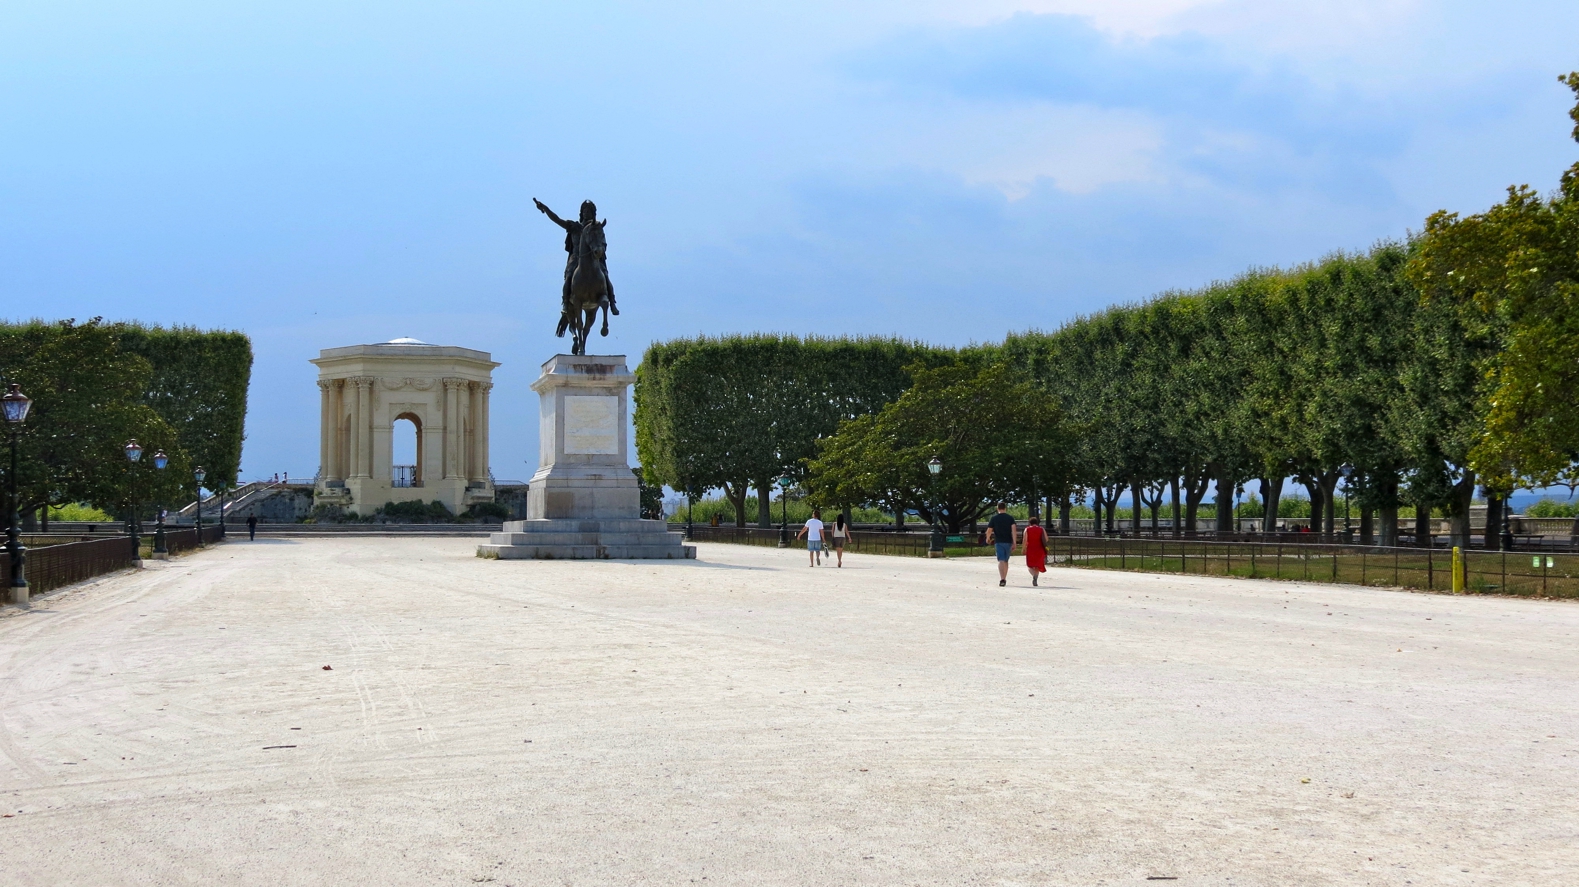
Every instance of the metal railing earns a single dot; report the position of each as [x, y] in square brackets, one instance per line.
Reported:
[1530, 573]
[177, 541]
[1545, 574]
[862, 542]
[55, 566]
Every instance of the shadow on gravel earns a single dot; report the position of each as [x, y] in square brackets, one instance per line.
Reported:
[712, 566]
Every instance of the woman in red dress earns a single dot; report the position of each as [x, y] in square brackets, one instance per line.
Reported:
[1035, 541]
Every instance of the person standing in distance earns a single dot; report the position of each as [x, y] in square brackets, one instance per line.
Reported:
[841, 535]
[1035, 540]
[252, 527]
[1002, 533]
[813, 533]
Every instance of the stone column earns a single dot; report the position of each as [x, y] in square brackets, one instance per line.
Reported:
[354, 434]
[483, 388]
[336, 440]
[327, 428]
[362, 428]
[452, 427]
[463, 397]
[473, 413]
[379, 440]
[343, 400]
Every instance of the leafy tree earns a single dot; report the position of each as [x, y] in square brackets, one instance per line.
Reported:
[88, 400]
[1549, 507]
[997, 436]
[199, 386]
[734, 412]
[1513, 272]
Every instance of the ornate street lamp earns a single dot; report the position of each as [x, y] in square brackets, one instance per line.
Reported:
[198, 474]
[935, 546]
[1348, 481]
[1507, 522]
[1234, 514]
[690, 506]
[134, 453]
[160, 551]
[785, 482]
[16, 406]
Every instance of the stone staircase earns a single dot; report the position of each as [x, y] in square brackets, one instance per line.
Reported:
[591, 539]
[242, 500]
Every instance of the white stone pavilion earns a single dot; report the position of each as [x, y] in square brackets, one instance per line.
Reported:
[370, 390]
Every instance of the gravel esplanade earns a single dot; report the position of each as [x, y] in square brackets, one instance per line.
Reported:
[744, 719]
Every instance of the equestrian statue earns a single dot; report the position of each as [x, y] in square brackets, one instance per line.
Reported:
[587, 287]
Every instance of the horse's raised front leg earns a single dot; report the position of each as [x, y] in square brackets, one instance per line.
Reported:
[605, 330]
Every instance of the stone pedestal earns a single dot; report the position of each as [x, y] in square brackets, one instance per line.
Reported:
[584, 501]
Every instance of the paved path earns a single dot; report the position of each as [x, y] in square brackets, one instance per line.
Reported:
[744, 719]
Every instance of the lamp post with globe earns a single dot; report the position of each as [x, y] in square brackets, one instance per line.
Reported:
[16, 406]
[134, 454]
[160, 551]
[935, 545]
[1347, 472]
[198, 474]
[785, 482]
[690, 508]
[1507, 522]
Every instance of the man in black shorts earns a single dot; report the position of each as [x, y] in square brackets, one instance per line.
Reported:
[1003, 534]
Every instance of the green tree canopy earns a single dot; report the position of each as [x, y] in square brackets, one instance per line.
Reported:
[1512, 273]
[95, 386]
[88, 401]
[199, 386]
[736, 411]
[998, 437]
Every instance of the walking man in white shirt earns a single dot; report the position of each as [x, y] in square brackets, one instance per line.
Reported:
[813, 533]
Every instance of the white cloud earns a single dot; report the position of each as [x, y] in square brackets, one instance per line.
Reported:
[1013, 147]
[1141, 18]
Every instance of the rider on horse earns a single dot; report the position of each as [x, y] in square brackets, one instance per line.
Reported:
[589, 212]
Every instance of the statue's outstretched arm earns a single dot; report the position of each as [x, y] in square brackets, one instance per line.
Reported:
[550, 213]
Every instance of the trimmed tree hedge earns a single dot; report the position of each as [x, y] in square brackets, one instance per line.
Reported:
[96, 385]
[735, 412]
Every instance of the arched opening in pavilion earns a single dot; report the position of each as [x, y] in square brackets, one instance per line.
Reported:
[406, 451]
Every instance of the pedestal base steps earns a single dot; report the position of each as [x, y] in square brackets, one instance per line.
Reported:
[593, 539]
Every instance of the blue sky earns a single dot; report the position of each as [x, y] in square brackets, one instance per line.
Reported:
[322, 174]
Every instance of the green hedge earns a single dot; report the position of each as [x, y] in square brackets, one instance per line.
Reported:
[734, 412]
[95, 386]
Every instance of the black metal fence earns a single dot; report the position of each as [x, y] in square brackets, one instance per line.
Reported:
[1532, 573]
[862, 542]
[54, 566]
[1545, 574]
[177, 541]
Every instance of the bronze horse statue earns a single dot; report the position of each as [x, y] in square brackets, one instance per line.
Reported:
[589, 286]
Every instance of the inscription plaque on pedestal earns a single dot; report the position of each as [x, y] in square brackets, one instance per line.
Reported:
[590, 425]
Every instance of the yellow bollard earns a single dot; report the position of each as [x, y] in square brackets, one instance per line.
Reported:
[1458, 570]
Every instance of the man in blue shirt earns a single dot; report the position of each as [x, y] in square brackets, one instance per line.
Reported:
[1003, 534]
